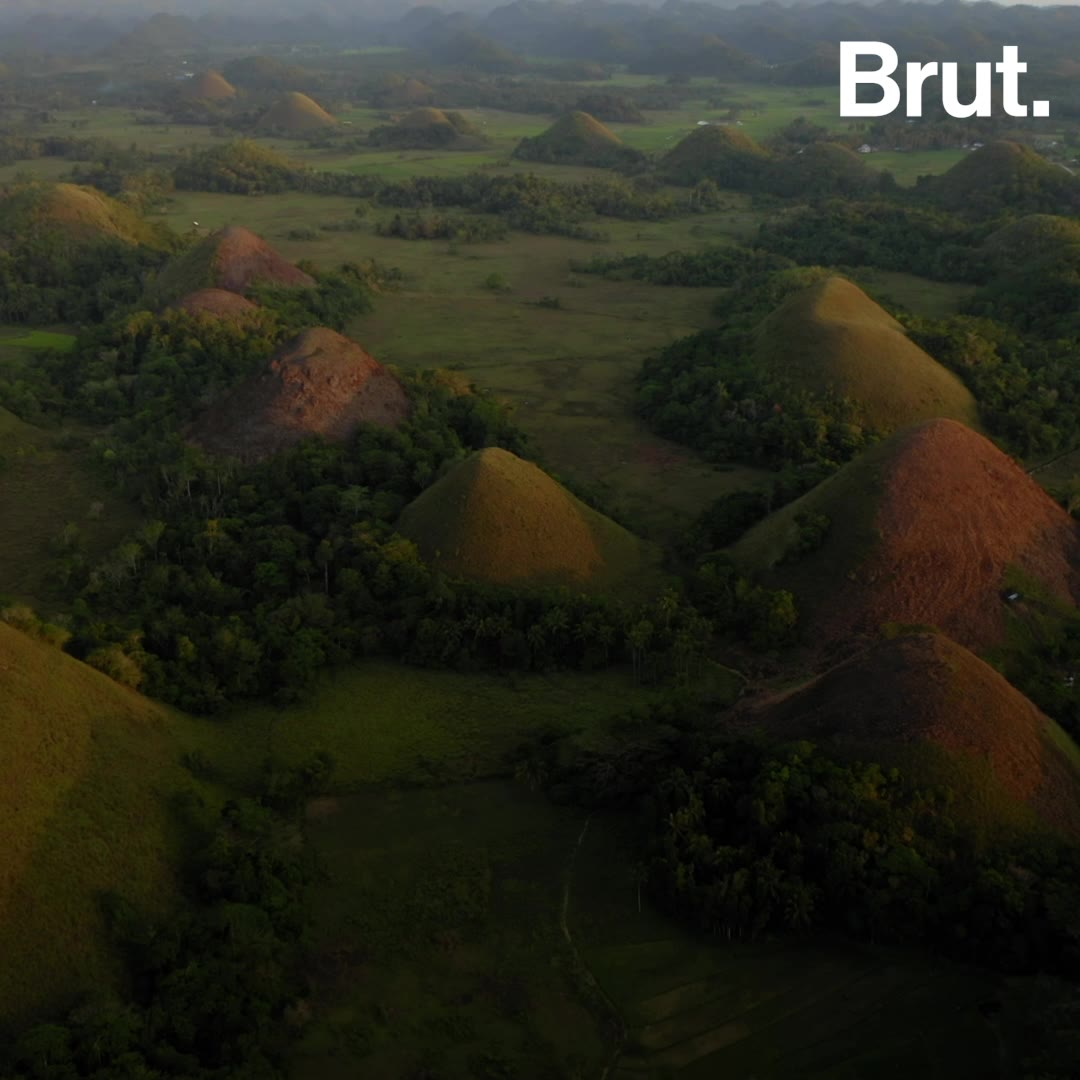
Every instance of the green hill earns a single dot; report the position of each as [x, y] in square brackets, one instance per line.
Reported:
[295, 114]
[832, 336]
[1006, 176]
[576, 138]
[428, 128]
[495, 517]
[927, 528]
[931, 707]
[717, 152]
[1030, 237]
[87, 768]
[75, 213]
[823, 168]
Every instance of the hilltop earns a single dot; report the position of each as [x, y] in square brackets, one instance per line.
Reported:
[717, 152]
[234, 259]
[86, 773]
[931, 707]
[497, 518]
[294, 114]
[576, 138]
[319, 383]
[1030, 237]
[76, 214]
[832, 336]
[428, 128]
[1006, 176]
[219, 303]
[208, 86]
[928, 527]
[823, 168]
[394, 91]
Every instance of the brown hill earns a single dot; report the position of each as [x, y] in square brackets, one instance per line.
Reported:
[497, 518]
[930, 706]
[295, 113]
[208, 86]
[320, 383]
[218, 302]
[233, 259]
[832, 336]
[928, 527]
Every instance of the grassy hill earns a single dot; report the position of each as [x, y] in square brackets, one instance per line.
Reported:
[76, 214]
[294, 114]
[217, 302]
[1030, 237]
[833, 336]
[208, 86]
[86, 771]
[495, 517]
[1006, 176]
[926, 704]
[576, 138]
[823, 168]
[320, 383]
[717, 152]
[233, 258]
[928, 527]
[428, 128]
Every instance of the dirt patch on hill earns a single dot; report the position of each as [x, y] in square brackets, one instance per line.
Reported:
[219, 302]
[242, 259]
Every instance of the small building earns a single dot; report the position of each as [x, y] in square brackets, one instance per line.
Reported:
[866, 148]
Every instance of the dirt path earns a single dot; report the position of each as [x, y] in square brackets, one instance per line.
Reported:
[585, 972]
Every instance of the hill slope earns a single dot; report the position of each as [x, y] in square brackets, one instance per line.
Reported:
[295, 113]
[1006, 175]
[426, 128]
[927, 528]
[86, 771]
[925, 703]
[217, 302]
[234, 259]
[833, 336]
[576, 138]
[716, 152]
[76, 214]
[208, 86]
[495, 517]
[320, 383]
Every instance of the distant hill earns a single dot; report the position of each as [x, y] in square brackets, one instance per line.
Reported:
[497, 518]
[394, 91]
[930, 527]
[832, 336]
[161, 33]
[717, 152]
[264, 73]
[295, 114]
[219, 303]
[207, 86]
[234, 259]
[476, 53]
[576, 138]
[823, 168]
[244, 167]
[87, 768]
[428, 128]
[320, 383]
[1030, 237]
[1005, 176]
[931, 707]
[75, 214]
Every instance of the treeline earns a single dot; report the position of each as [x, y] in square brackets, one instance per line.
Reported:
[216, 985]
[469, 230]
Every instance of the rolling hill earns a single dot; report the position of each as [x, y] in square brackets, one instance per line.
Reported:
[428, 128]
[233, 259]
[295, 114]
[74, 214]
[576, 138]
[208, 85]
[320, 383]
[86, 771]
[929, 527]
[928, 705]
[1006, 176]
[717, 152]
[219, 303]
[832, 336]
[497, 518]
